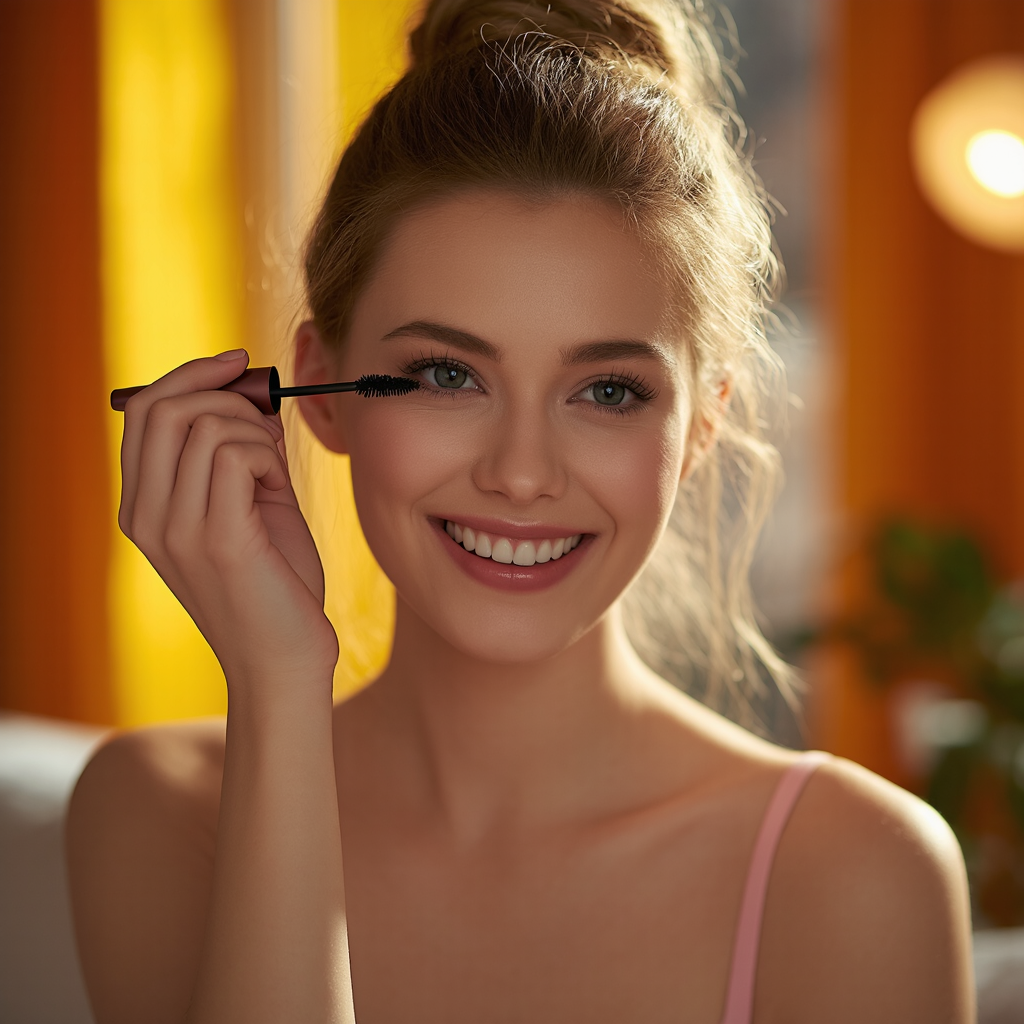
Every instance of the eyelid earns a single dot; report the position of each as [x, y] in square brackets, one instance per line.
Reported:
[635, 384]
[448, 361]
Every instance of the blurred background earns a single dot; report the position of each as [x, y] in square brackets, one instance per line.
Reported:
[161, 162]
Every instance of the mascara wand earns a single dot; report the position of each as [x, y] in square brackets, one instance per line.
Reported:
[262, 386]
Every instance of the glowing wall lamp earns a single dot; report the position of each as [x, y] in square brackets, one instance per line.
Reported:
[967, 143]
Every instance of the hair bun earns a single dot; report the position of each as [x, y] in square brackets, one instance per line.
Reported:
[595, 26]
[679, 38]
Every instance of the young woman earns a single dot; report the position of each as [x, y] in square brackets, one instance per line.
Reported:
[547, 225]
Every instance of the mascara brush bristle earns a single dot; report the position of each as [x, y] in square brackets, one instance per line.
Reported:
[380, 385]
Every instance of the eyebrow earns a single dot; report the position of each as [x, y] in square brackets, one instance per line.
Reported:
[591, 352]
[449, 335]
[621, 348]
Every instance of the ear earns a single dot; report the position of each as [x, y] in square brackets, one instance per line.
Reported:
[315, 363]
[704, 428]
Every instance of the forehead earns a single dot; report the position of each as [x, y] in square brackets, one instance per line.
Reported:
[565, 270]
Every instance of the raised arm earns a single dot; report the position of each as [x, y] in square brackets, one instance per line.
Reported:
[255, 931]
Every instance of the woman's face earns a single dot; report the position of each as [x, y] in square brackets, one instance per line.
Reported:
[553, 405]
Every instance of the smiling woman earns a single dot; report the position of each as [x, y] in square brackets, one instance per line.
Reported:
[542, 307]
[546, 225]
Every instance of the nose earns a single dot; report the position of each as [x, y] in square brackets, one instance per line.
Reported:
[521, 457]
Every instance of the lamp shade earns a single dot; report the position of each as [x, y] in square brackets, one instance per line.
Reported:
[967, 146]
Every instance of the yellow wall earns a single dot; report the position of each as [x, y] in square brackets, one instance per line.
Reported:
[172, 226]
[171, 271]
[372, 52]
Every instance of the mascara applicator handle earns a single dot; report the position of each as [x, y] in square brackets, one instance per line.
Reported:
[260, 384]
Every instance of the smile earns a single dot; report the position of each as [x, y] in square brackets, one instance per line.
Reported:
[509, 551]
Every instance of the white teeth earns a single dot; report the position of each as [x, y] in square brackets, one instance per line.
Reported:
[506, 551]
[502, 551]
[526, 553]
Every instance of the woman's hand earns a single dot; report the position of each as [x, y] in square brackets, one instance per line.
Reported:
[207, 498]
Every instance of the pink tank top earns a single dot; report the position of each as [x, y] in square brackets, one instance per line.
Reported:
[739, 1000]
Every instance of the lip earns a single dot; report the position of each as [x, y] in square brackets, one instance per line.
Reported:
[518, 579]
[514, 531]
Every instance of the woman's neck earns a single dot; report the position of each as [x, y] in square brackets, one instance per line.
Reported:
[486, 749]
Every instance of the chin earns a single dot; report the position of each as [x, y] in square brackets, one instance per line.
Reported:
[496, 636]
[511, 652]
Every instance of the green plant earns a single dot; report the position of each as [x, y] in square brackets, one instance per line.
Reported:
[936, 610]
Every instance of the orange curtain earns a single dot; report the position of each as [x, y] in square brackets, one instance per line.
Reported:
[55, 504]
[929, 326]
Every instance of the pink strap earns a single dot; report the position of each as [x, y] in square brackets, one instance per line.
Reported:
[739, 1003]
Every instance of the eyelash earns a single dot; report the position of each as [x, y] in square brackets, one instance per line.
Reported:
[426, 361]
[642, 391]
[637, 386]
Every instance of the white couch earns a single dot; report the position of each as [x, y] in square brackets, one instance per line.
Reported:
[40, 981]
[40, 761]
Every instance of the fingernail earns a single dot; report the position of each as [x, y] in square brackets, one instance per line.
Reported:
[227, 357]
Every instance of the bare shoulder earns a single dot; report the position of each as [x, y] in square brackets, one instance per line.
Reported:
[867, 915]
[862, 821]
[140, 837]
[173, 751]
[169, 773]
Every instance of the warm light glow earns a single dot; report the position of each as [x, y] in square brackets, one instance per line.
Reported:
[996, 159]
[967, 143]
[171, 292]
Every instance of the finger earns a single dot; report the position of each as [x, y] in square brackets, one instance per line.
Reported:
[284, 495]
[281, 444]
[233, 520]
[189, 500]
[167, 428]
[170, 423]
[197, 375]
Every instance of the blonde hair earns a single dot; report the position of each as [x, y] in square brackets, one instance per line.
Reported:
[629, 103]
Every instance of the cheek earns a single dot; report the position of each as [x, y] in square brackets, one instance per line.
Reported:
[402, 455]
[398, 455]
[636, 474]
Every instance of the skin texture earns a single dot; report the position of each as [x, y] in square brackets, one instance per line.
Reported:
[535, 827]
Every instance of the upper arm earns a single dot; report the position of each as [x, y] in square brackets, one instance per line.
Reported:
[871, 919]
[140, 857]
